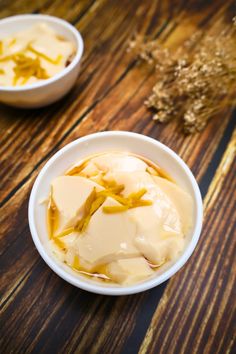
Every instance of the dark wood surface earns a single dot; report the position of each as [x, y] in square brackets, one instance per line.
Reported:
[194, 312]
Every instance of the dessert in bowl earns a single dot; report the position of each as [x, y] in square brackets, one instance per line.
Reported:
[39, 59]
[115, 213]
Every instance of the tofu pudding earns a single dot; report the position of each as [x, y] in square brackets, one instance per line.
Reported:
[32, 55]
[117, 218]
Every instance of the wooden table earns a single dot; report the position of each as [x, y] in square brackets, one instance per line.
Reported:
[194, 311]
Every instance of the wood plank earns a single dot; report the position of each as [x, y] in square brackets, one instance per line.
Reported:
[197, 153]
[52, 315]
[68, 10]
[187, 319]
[66, 302]
[52, 122]
[35, 135]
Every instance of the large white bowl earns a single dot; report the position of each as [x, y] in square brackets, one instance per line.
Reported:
[103, 142]
[50, 90]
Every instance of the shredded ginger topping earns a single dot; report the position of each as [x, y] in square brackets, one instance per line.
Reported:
[37, 53]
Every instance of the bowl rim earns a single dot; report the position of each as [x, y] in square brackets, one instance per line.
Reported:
[123, 290]
[63, 72]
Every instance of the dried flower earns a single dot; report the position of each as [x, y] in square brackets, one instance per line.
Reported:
[195, 86]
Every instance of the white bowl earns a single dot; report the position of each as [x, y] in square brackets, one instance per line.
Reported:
[103, 142]
[45, 92]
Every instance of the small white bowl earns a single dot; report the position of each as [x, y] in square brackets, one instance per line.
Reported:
[103, 142]
[50, 90]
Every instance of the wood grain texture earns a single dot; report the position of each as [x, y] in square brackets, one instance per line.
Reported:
[207, 282]
[31, 135]
[193, 312]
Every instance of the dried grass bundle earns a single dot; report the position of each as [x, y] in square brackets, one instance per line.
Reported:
[194, 86]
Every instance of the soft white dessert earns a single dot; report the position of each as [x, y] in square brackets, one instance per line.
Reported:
[34, 54]
[117, 217]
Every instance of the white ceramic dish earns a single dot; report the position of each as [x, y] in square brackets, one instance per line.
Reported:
[44, 92]
[102, 142]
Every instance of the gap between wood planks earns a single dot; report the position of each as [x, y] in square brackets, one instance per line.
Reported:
[209, 202]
